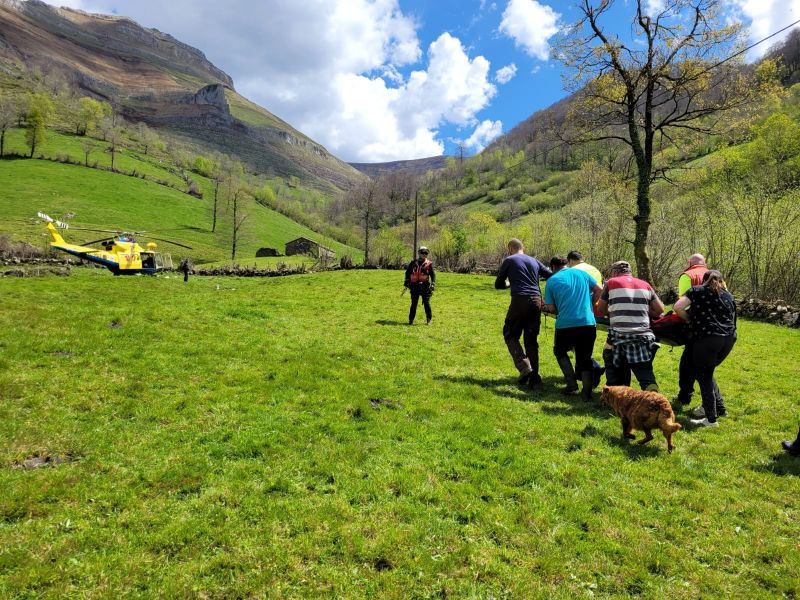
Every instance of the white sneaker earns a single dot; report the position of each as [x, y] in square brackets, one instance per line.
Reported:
[698, 412]
[704, 423]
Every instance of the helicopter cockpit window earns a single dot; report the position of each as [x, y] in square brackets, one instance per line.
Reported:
[148, 261]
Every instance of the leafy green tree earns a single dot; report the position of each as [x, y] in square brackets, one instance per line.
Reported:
[641, 94]
[40, 110]
[89, 113]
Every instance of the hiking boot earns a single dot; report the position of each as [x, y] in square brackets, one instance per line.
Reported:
[698, 412]
[703, 423]
[534, 380]
[793, 448]
[653, 387]
[428, 322]
[597, 374]
[586, 383]
[523, 379]
[569, 376]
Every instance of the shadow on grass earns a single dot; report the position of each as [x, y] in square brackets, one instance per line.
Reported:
[781, 464]
[637, 452]
[503, 386]
[388, 323]
[556, 403]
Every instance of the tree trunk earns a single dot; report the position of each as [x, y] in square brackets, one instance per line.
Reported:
[33, 147]
[642, 220]
[233, 248]
[366, 238]
[214, 217]
[2, 142]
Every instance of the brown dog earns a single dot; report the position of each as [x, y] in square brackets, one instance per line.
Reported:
[644, 411]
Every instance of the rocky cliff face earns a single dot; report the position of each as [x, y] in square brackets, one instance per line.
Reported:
[102, 45]
[150, 76]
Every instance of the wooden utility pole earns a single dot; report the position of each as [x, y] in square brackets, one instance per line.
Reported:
[416, 216]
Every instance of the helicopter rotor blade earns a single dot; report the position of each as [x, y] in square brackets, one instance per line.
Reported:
[171, 242]
[114, 231]
[105, 239]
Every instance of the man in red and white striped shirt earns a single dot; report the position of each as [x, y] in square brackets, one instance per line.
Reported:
[629, 303]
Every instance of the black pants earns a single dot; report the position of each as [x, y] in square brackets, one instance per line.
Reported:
[707, 354]
[686, 376]
[416, 294]
[580, 339]
[524, 317]
[621, 375]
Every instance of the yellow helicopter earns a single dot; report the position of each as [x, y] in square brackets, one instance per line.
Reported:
[120, 252]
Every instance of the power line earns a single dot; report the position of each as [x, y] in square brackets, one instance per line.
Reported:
[711, 68]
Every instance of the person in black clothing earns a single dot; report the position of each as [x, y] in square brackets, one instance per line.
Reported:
[185, 267]
[712, 327]
[793, 448]
[421, 281]
[521, 273]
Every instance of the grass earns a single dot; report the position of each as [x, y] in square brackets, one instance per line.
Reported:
[291, 437]
[101, 199]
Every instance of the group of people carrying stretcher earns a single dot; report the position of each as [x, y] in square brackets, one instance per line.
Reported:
[579, 298]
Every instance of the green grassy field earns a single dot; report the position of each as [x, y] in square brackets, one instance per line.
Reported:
[291, 437]
[101, 199]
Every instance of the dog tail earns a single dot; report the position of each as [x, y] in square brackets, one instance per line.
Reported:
[667, 421]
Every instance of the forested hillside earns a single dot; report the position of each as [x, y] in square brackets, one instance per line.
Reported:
[732, 195]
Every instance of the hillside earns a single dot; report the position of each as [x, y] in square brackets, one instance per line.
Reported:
[102, 199]
[417, 167]
[154, 78]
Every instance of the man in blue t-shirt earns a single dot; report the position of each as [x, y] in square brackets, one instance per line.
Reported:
[571, 295]
[521, 273]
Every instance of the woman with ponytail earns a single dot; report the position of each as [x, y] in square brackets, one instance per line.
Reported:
[711, 312]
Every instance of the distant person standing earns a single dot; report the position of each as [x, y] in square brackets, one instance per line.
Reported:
[420, 280]
[711, 312]
[629, 303]
[521, 273]
[693, 275]
[185, 267]
[571, 295]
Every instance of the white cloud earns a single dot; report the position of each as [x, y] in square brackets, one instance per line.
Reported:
[767, 17]
[331, 68]
[505, 74]
[531, 25]
[483, 135]
[654, 7]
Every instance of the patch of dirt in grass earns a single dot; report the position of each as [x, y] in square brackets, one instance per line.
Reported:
[39, 460]
[382, 564]
[377, 403]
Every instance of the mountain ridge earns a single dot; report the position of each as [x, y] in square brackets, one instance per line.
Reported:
[151, 76]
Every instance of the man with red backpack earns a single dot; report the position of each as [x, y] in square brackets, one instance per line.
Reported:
[420, 280]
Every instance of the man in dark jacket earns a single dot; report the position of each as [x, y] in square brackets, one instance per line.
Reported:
[521, 273]
[420, 280]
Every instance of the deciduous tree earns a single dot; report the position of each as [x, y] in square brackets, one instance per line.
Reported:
[669, 80]
[8, 115]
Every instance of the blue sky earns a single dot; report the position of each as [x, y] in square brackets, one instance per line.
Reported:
[381, 80]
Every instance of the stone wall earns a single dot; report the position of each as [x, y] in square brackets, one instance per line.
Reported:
[777, 312]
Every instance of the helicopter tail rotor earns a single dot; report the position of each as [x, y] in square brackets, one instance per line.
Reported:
[49, 219]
